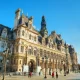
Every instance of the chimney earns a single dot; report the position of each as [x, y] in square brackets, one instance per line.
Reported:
[17, 13]
[17, 17]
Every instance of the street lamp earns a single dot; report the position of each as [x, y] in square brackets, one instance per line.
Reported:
[46, 60]
[66, 46]
[64, 66]
[56, 63]
[5, 54]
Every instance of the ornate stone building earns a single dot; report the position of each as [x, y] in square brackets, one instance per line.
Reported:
[36, 49]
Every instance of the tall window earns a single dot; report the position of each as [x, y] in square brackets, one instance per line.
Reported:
[16, 48]
[22, 48]
[14, 61]
[30, 36]
[35, 52]
[18, 32]
[20, 61]
[30, 52]
[40, 52]
[35, 38]
[23, 33]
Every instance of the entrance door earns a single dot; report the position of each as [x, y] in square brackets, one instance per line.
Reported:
[31, 66]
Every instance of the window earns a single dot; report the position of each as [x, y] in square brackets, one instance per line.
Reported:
[26, 34]
[16, 48]
[35, 38]
[14, 61]
[22, 42]
[19, 69]
[0, 68]
[4, 33]
[35, 52]
[3, 44]
[30, 36]
[18, 32]
[20, 61]
[22, 48]
[23, 33]
[41, 53]
[0, 61]
[30, 51]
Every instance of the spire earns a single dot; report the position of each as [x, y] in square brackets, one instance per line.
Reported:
[43, 23]
[43, 30]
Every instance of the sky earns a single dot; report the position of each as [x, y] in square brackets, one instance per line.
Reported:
[63, 16]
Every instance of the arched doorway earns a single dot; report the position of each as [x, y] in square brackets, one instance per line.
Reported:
[31, 65]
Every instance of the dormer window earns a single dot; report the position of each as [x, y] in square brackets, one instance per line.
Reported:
[4, 33]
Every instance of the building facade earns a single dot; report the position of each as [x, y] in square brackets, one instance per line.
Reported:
[36, 48]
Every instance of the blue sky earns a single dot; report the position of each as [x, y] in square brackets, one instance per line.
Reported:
[63, 16]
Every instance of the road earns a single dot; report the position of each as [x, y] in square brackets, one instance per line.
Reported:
[73, 76]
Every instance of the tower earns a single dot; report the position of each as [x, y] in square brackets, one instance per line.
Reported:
[43, 30]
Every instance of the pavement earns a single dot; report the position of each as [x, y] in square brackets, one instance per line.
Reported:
[73, 76]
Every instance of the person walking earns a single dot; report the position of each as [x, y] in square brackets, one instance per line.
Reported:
[56, 75]
[30, 74]
[39, 73]
[52, 74]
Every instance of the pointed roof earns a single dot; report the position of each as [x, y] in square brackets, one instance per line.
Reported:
[23, 20]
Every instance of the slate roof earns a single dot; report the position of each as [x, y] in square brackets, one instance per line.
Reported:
[23, 20]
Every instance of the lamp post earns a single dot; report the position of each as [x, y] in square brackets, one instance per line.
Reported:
[46, 59]
[56, 63]
[64, 66]
[5, 54]
[66, 58]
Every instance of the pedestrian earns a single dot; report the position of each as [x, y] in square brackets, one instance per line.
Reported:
[49, 72]
[56, 75]
[52, 74]
[30, 74]
[9, 74]
[39, 73]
